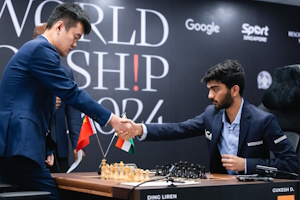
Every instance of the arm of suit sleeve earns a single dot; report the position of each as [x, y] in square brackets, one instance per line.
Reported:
[285, 157]
[174, 131]
[45, 66]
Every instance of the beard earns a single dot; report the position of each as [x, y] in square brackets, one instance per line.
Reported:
[225, 102]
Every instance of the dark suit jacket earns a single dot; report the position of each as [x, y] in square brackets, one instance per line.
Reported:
[30, 82]
[259, 134]
[66, 118]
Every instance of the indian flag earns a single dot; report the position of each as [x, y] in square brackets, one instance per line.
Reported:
[126, 145]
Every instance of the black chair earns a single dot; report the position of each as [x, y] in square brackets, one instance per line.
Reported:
[289, 122]
[282, 99]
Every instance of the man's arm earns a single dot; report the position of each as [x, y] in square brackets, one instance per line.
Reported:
[166, 131]
[285, 157]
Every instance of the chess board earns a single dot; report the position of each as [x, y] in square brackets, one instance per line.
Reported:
[175, 172]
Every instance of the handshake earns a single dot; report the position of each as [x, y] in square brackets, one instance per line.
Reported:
[126, 128]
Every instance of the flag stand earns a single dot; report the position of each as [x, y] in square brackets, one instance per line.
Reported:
[100, 146]
[104, 155]
[112, 139]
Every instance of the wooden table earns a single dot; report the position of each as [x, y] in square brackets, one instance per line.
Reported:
[89, 185]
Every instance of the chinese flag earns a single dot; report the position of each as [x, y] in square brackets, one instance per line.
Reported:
[87, 129]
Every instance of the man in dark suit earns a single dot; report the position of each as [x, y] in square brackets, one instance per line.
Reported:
[239, 135]
[65, 123]
[30, 82]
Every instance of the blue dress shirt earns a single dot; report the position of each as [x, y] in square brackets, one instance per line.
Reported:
[230, 135]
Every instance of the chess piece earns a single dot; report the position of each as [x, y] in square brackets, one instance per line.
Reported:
[157, 171]
[137, 175]
[111, 171]
[103, 162]
[142, 178]
[203, 175]
[147, 178]
[102, 173]
[116, 172]
[107, 172]
[126, 172]
[121, 164]
[131, 174]
[121, 171]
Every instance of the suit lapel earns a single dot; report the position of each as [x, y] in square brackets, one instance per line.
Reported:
[214, 151]
[244, 125]
[216, 131]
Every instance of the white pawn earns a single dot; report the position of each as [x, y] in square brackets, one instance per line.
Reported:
[107, 171]
[131, 174]
[147, 175]
[116, 172]
[111, 171]
[102, 175]
[142, 178]
[121, 171]
[126, 172]
[137, 175]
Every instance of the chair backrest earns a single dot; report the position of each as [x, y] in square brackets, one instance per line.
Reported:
[294, 139]
[289, 122]
[282, 99]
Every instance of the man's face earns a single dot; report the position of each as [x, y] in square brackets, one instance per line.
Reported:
[219, 94]
[67, 40]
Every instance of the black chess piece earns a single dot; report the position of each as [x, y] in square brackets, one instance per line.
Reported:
[203, 175]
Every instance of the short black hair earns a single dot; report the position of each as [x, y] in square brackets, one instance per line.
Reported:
[228, 72]
[70, 14]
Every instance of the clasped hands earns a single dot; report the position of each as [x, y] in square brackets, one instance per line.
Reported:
[125, 128]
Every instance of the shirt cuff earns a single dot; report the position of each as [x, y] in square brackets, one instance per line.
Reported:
[109, 119]
[245, 166]
[145, 133]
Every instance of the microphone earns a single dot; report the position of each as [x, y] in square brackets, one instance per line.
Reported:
[254, 177]
[265, 169]
[271, 171]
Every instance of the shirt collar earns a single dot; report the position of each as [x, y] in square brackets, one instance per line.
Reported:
[238, 116]
[45, 37]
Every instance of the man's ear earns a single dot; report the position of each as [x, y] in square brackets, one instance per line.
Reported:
[235, 90]
[59, 25]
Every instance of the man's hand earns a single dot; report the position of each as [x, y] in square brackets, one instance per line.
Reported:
[76, 154]
[50, 161]
[233, 163]
[126, 128]
[58, 102]
[138, 130]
